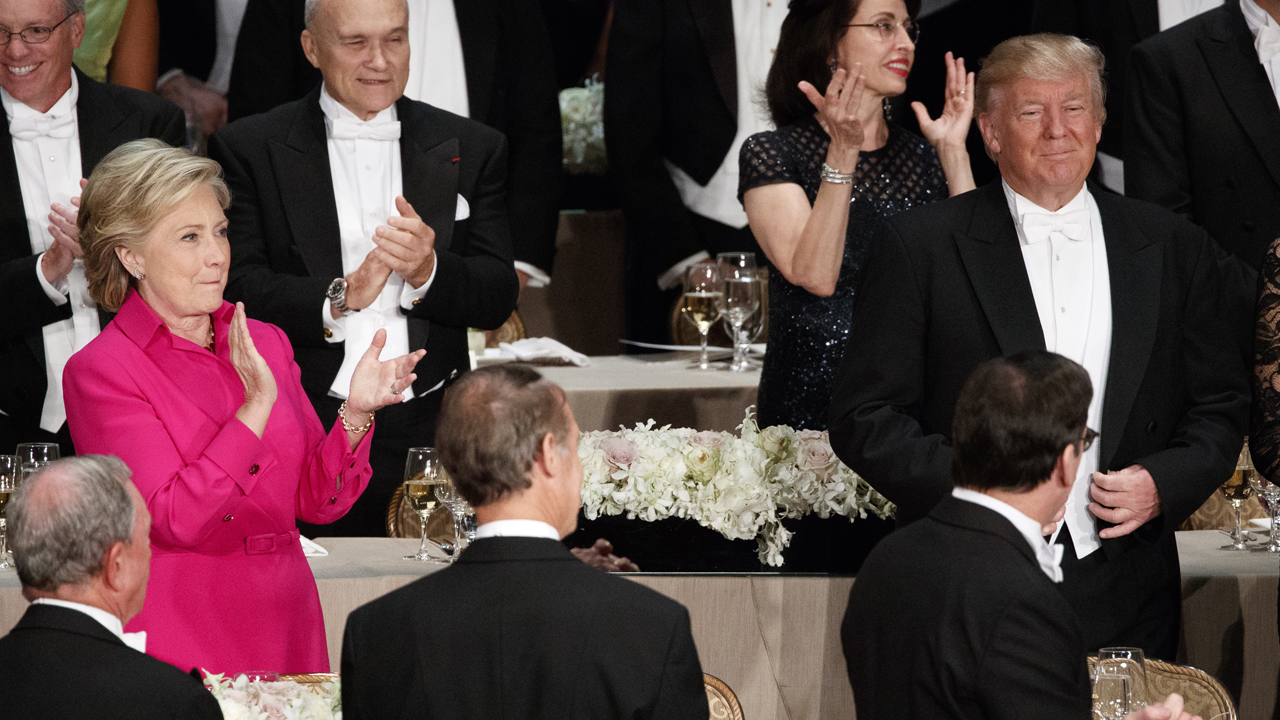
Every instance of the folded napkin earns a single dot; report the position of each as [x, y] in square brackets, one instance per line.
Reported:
[311, 549]
[544, 351]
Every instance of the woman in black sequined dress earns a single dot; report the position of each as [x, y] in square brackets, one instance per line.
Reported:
[837, 62]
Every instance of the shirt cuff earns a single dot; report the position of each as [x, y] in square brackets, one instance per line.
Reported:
[675, 275]
[537, 278]
[335, 331]
[56, 292]
[160, 82]
[410, 295]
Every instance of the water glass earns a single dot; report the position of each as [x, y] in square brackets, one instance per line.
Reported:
[8, 485]
[742, 297]
[449, 496]
[1238, 488]
[1269, 494]
[37, 453]
[1111, 692]
[421, 481]
[1131, 662]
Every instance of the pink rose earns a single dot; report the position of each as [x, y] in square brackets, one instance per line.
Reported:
[619, 452]
[812, 435]
[815, 455]
[708, 439]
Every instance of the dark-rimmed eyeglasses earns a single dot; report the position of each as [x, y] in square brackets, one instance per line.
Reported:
[33, 35]
[1087, 442]
[887, 29]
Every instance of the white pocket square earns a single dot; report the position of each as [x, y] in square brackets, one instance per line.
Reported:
[464, 210]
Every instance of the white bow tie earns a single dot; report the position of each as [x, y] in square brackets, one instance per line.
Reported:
[1039, 226]
[1267, 43]
[345, 129]
[136, 640]
[1050, 558]
[30, 128]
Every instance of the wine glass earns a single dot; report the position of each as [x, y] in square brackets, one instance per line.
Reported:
[1110, 694]
[8, 485]
[742, 293]
[469, 526]
[448, 495]
[702, 302]
[751, 330]
[421, 480]
[28, 453]
[1269, 494]
[1129, 662]
[1236, 490]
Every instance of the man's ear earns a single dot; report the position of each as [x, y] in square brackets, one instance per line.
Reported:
[113, 566]
[548, 459]
[989, 136]
[1060, 473]
[309, 48]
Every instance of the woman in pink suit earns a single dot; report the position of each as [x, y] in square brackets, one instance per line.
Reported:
[208, 411]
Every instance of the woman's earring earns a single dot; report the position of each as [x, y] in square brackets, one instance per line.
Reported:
[137, 273]
[884, 106]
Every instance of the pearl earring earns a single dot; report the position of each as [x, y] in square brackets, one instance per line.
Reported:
[137, 273]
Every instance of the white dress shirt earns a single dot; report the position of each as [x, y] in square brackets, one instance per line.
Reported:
[1173, 12]
[229, 14]
[1065, 254]
[756, 26]
[366, 180]
[517, 528]
[1266, 41]
[136, 640]
[1048, 555]
[46, 147]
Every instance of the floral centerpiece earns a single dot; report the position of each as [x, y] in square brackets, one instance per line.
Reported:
[582, 129]
[245, 699]
[741, 486]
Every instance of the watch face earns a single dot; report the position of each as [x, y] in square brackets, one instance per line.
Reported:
[337, 289]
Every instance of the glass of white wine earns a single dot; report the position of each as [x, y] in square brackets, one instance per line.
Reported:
[703, 302]
[1236, 490]
[448, 495]
[421, 481]
[8, 485]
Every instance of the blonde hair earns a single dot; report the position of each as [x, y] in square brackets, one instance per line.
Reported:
[1042, 57]
[129, 193]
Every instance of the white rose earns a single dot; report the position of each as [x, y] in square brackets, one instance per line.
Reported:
[701, 463]
[816, 456]
[232, 710]
[776, 441]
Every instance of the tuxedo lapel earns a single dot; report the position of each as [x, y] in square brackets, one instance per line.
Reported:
[1146, 17]
[301, 165]
[993, 261]
[1233, 62]
[15, 240]
[714, 19]
[103, 125]
[477, 20]
[1134, 264]
[429, 170]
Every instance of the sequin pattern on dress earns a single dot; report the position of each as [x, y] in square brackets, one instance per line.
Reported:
[807, 333]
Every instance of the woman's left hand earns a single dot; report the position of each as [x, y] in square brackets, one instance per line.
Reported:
[952, 127]
[376, 383]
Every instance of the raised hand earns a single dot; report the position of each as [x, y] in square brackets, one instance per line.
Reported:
[376, 383]
[838, 115]
[259, 382]
[952, 126]
[407, 246]
[65, 250]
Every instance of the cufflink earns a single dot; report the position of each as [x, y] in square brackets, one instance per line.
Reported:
[417, 300]
[328, 333]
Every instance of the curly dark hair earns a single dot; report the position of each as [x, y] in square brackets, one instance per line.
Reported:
[810, 34]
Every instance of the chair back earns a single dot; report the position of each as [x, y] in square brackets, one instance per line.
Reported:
[723, 701]
[509, 332]
[1201, 692]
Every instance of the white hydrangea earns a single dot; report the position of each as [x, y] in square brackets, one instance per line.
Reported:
[244, 699]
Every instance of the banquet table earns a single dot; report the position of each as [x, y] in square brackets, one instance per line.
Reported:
[623, 390]
[775, 638]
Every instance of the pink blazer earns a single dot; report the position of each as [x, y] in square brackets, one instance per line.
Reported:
[230, 589]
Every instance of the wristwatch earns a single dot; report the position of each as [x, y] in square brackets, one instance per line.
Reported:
[337, 294]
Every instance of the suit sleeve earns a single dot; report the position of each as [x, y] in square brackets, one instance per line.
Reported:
[1155, 157]
[881, 382]
[681, 692]
[1204, 445]
[353, 686]
[171, 126]
[475, 286]
[265, 70]
[533, 134]
[202, 706]
[20, 288]
[656, 218]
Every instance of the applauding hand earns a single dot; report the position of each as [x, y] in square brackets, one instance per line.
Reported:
[65, 250]
[376, 383]
[259, 382]
[952, 126]
[408, 246]
[838, 115]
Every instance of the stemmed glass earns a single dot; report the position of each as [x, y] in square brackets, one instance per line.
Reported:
[752, 328]
[702, 302]
[1110, 694]
[8, 485]
[1269, 494]
[742, 295]
[448, 495]
[421, 483]
[1129, 662]
[1236, 490]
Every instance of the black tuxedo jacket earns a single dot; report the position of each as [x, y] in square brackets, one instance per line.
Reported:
[109, 116]
[188, 36]
[672, 94]
[520, 628]
[953, 618]
[511, 87]
[60, 663]
[286, 244]
[1203, 131]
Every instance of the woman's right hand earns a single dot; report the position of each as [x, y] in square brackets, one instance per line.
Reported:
[259, 382]
[838, 115]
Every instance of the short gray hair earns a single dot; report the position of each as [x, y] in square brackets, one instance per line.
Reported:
[73, 6]
[63, 519]
[310, 8]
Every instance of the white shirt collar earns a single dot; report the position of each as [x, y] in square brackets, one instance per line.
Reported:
[13, 108]
[1048, 556]
[137, 641]
[1255, 17]
[334, 110]
[517, 528]
[1020, 206]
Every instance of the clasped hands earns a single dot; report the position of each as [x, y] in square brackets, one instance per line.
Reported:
[405, 246]
[65, 250]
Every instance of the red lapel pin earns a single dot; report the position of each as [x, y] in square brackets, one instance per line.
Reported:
[457, 159]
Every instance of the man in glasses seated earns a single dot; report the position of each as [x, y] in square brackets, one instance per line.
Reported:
[59, 124]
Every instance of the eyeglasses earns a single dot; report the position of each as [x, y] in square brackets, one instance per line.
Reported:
[33, 35]
[887, 30]
[1089, 436]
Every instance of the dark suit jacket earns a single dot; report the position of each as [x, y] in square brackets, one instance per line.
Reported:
[672, 94]
[286, 245]
[953, 618]
[520, 628]
[511, 87]
[1203, 131]
[188, 36]
[109, 116]
[60, 663]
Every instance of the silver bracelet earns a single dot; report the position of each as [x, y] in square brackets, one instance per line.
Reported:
[832, 175]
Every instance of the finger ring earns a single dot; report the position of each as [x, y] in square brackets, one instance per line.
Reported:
[962, 92]
[394, 391]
